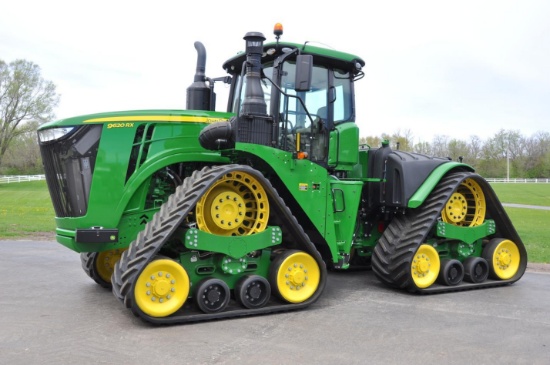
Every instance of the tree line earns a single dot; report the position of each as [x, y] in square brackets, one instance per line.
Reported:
[27, 100]
[507, 154]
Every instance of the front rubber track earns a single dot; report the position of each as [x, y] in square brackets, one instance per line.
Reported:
[391, 261]
[87, 259]
[173, 213]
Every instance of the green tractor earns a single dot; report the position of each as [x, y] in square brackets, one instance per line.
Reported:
[190, 215]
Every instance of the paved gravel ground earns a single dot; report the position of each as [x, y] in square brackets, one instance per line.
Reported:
[52, 313]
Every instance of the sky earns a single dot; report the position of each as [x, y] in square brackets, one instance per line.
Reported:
[433, 68]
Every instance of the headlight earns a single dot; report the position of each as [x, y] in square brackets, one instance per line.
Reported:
[47, 135]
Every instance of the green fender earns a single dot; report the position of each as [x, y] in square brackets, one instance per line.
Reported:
[435, 176]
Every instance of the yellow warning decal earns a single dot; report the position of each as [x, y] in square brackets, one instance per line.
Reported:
[303, 186]
[156, 118]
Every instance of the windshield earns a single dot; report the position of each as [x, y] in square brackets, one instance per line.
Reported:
[329, 99]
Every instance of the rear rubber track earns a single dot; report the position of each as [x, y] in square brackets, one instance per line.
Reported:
[171, 216]
[394, 252]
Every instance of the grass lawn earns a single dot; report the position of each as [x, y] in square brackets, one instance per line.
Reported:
[530, 194]
[25, 208]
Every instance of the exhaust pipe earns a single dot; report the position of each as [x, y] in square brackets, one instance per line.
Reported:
[199, 94]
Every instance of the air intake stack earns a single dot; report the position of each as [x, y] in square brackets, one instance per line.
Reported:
[254, 102]
[253, 124]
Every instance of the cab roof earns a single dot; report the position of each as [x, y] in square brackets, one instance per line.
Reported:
[330, 57]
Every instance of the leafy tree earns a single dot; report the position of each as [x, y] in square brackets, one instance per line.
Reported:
[458, 149]
[535, 162]
[23, 155]
[24, 96]
[402, 140]
[371, 141]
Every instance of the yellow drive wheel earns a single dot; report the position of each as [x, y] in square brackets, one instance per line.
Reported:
[466, 206]
[425, 266]
[161, 288]
[105, 263]
[503, 257]
[294, 275]
[236, 205]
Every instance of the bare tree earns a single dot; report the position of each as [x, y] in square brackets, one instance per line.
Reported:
[24, 96]
[440, 146]
[424, 148]
[476, 146]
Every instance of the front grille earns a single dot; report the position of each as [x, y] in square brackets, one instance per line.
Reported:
[69, 164]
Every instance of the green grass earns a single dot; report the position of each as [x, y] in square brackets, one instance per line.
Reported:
[531, 224]
[530, 194]
[532, 227]
[26, 209]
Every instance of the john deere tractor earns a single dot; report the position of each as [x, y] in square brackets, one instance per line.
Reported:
[194, 214]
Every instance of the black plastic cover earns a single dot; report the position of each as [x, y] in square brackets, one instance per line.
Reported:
[96, 235]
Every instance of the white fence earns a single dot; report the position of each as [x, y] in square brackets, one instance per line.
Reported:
[530, 181]
[21, 178]
[15, 179]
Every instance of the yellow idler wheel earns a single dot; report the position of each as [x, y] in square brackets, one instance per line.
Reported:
[294, 275]
[236, 205]
[105, 263]
[466, 206]
[425, 266]
[503, 257]
[161, 288]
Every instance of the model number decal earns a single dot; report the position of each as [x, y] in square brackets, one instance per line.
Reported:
[120, 125]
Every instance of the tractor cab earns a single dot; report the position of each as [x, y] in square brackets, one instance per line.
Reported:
[305, 91]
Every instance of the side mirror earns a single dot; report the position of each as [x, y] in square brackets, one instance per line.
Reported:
[304, 69]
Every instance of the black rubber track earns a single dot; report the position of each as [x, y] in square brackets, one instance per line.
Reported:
[87, 259]
[392, 256]
[173, 213]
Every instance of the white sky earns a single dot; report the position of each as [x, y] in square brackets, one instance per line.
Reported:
[455, 68]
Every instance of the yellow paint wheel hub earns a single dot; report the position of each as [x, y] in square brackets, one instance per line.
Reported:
[235, 205]
[466, 206]
[105, 263]
[456, 208]
[228, 211]
[425, 266]
[297, 277]
[506, 259]
[161, 288]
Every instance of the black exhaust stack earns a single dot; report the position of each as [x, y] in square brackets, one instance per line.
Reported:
[199, 94]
